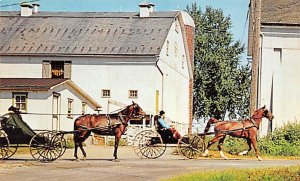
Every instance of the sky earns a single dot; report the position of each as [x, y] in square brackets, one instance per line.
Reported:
[236, 9]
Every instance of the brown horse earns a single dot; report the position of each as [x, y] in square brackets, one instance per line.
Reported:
[244, 129]
[103, 124]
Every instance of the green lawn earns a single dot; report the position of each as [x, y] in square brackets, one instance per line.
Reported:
[267, 174]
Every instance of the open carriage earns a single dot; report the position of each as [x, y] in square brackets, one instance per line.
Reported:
[45, 146]
[153, 143]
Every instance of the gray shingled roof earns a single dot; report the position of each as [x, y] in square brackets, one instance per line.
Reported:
[22, 84]
[87, 33]
[281, 12]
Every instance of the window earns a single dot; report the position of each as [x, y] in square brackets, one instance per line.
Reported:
[167, 51]
[133, 93]
[20, 101]
[105, 93]
[83, 108]
[70, 106]
[56, 69]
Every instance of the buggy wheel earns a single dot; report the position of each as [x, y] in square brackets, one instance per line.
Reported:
[46, 146]
[149, 144]
[4, 145]
[63, 144]
[11, 150]
[191, 146]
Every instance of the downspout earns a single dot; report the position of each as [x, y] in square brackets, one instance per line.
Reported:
[162, 83]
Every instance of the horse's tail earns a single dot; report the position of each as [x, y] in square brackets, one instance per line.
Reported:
[210, 121]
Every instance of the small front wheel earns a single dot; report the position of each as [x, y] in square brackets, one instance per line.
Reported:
[46, 146]
[191, 146]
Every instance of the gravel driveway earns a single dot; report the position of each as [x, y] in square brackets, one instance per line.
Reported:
[99, 166]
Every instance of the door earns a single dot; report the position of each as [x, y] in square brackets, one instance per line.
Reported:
[55, 112]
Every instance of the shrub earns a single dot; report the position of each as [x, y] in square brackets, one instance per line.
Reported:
[284, 141]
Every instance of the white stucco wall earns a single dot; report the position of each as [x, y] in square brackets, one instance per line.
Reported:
[280, 67]
[176, 79]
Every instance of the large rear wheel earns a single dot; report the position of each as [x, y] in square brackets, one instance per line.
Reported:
[12, 149]
[4, 145]
[149, 144]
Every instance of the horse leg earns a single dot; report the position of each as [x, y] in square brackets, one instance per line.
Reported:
[215, 139]
[117, 139]
[221, 141]
[82, 150]
[246, 151]
[253, 140]
[76, 147]
[86, 135]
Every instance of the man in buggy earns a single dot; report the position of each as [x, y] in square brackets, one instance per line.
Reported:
[163, 125]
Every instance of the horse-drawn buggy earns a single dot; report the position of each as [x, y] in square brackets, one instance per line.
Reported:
[152, 143]
[47, 146]
[14, 133]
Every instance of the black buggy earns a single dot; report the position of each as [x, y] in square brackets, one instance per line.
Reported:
[44, 146]
[153, 143]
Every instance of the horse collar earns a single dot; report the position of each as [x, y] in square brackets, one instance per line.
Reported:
[122, 119]
[253, 122]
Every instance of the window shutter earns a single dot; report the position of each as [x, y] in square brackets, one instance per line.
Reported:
[46, 69]
[67, 70]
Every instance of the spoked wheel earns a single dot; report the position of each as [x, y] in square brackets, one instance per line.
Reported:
[191, 146]
[4, 145]
[11, 150]
[46, 146]
[63, 144]
[148, 144]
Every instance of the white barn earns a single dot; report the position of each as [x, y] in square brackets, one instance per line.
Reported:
[46, 104]
[279, 66]
[146, 57]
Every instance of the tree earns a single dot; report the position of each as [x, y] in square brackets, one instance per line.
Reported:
[221, 84]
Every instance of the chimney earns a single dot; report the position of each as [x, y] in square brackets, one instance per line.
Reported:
[35, 8]
[26, 9]
[151, 9]
[144, 9]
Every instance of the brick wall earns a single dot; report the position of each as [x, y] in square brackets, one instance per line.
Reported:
[190, 32]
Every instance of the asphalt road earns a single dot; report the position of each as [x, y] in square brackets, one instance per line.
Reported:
[99, 166]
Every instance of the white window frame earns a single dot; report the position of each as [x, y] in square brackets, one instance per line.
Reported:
[133, 94]
[22, 94]
[104, 93]
[70, 108]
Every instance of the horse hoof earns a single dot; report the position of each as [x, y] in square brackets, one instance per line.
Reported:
[259, 158]
[116, 160]
[84, 158]
[77, 160]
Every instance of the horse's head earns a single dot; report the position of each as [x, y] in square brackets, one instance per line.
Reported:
[263, 112]
[136, 110]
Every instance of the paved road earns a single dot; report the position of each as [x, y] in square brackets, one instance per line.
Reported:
[99, 166]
